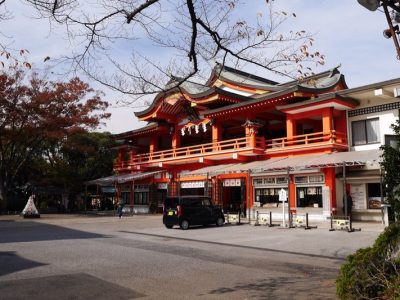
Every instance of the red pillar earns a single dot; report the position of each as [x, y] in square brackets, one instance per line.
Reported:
[120, 155]
[176, 138]
[216, 133]
[153, 144]
[290, 128]
[330, 181]
[249, 200]
[292, 192]
[132, 155]
[341, 127]
[327, 121]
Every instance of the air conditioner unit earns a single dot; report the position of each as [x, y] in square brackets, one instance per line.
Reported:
[396, 92]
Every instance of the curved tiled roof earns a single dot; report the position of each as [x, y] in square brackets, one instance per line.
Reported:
[194, 90]
[235, 76]
[319, 83]
[190, 87]
[318, 99]
[197, 90]
[320, 80]
[128, 134]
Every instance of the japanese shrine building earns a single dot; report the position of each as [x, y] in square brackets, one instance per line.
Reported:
[241, 138]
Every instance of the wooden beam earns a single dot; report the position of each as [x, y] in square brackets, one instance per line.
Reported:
[238, 157]
[205, 161]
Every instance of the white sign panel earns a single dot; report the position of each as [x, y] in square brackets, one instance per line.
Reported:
[357, 192]
[232, 182]
[282, 195]
[162, 186]
[192, 184]
[326, 203]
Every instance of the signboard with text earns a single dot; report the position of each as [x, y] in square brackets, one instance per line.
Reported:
[282, 195]
[192, 184]
[231, 182]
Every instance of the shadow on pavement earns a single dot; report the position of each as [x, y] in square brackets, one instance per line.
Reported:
[284, 288]
[32, 231]
[72, 286]
[11, 262]
[236, 245]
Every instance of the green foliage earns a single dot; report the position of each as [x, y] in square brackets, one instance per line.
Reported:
[37, 114]
[391, 175]
[68, 163]
[86, 156]
[373, 272]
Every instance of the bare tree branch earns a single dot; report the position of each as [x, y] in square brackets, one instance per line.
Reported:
[180, 39]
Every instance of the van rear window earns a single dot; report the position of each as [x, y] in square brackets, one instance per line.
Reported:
[171, 202]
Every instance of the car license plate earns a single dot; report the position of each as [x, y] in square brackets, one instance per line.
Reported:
[170, 213]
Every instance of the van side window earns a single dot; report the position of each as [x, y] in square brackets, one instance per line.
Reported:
[206, 202]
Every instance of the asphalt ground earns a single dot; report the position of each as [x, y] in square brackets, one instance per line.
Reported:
[81, 257]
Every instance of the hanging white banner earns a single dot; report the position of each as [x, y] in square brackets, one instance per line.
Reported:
[192, 184]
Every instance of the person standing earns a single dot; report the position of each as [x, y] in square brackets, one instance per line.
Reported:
[349, 204]
[120, 209]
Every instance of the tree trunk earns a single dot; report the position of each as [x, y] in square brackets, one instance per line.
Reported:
[3, 195]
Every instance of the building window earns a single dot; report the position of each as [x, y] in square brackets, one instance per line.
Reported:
[269, 180]
[161, 195]
[281, 180]
[141, 198]
[268, 196]
[141, 195]
[374, 195]
[301, 179]
[309, 196]
[392, 141]
[365, 131]
[125, 197]
[257, 181]
[316, 179]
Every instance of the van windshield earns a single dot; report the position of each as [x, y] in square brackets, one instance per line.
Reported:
[171, 202]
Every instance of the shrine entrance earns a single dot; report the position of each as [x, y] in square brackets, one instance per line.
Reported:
[233, 195]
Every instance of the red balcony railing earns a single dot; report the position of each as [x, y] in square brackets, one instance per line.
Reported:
[237, 145]
[331, 137]
[220, 147]
[209, 149]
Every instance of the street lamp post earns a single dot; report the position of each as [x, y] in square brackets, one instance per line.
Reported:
[392, 31]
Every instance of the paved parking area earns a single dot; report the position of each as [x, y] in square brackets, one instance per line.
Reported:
[81, 257]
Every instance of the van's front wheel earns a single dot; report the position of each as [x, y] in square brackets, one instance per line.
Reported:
[220, 221]
[169, 226]
[185, 224]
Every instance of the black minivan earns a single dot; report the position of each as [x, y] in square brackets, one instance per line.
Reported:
[186, 211]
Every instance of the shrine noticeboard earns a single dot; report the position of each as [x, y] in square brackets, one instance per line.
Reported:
[282, 195]
[357, 192]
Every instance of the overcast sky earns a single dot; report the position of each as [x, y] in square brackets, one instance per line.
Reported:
[345, 32]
